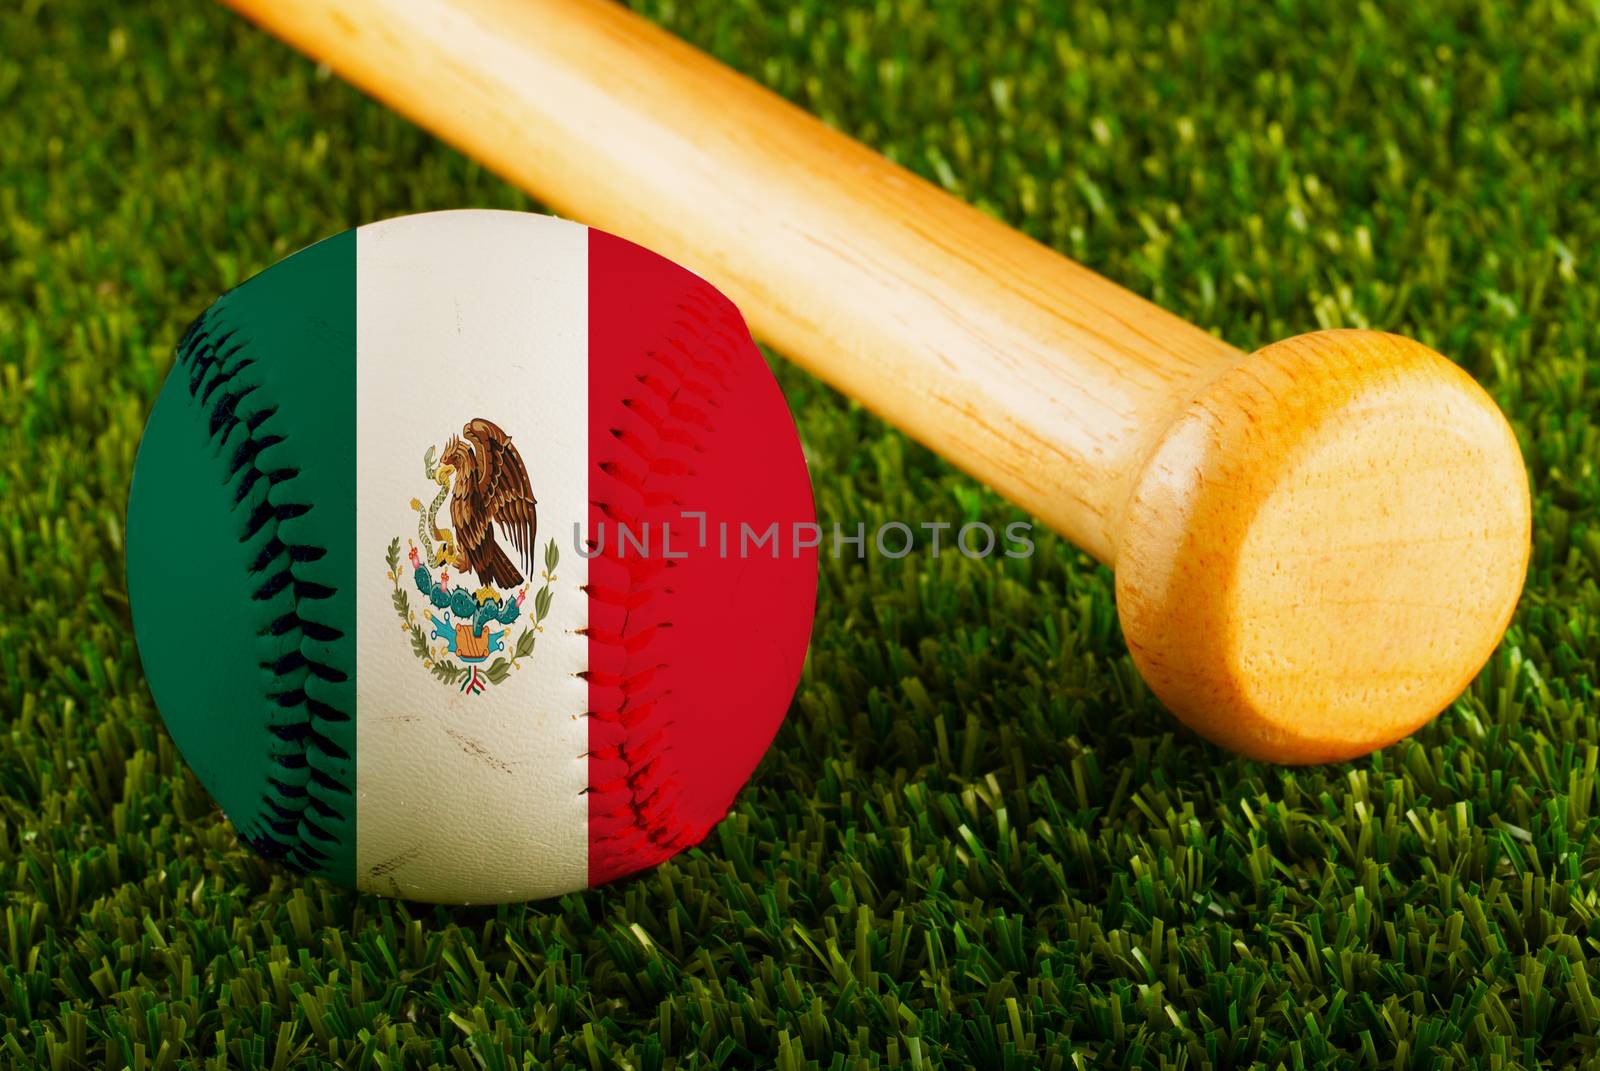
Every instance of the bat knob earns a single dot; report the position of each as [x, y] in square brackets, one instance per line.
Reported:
[1325, 547]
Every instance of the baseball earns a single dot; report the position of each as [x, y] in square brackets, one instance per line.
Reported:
[429, 558]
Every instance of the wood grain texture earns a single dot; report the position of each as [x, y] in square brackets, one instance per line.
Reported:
[1324, 547]
[1029, 371]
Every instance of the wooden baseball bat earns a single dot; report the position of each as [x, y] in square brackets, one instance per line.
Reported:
[1316, 545]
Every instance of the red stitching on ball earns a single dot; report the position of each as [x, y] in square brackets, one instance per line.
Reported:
[674, 407]
[625, 683]
[627, 477]
[633, 715]
[675, 365]
[631, 644]
[609, 596]
[685, 383]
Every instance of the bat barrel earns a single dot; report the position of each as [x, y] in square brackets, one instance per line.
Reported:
[1324, 547]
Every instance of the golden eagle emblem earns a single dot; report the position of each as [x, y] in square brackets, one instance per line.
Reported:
[489, 487]
[491, 500]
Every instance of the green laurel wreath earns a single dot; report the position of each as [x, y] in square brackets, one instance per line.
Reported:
[445, 669]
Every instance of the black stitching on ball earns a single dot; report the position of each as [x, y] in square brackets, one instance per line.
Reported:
[220, 379]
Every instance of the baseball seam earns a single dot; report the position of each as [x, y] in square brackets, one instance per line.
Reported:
[672, 401]
[301, 796]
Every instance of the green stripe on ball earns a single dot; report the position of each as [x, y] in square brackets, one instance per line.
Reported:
[240, 555]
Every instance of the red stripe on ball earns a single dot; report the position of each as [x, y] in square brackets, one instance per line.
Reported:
[693, 660]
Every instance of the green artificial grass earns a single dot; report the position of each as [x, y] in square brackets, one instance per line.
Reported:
[978, 841]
